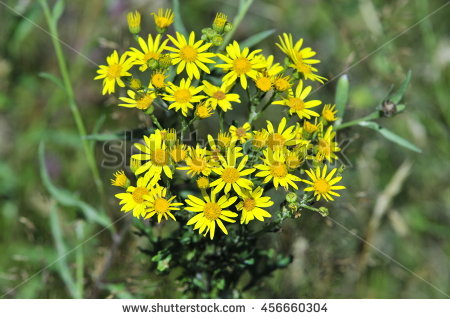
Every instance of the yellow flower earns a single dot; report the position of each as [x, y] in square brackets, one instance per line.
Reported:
[219, 22]
[159, 204]
[251, 205]
[240, 64]
[163, 19]
[327, 147]
[329, 113]
[275, 168]
[271, 69]
[202, 182]
[297, 102]
[294, 158]
[183, 96]
[310, 127]
[260, 138]
[140, 100]
[307, 70]
[134, 22]
[323, 185]
[282, 137]
[203, 111]
[219, 96]
[169, 136]
[120, 179]
[295, 52]
[157, 79]
[134, 164]
[190, 55]
[210, 212]
[282, 83]
[263, 82]
[178, 153]
[242, 133]
[224, 139]
[198, 162]
[114, 71]
[151, 49]
[230, 175]
[135, 197]
[156, 153]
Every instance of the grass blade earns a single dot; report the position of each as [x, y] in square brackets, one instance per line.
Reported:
[397, 96]
[391, 136]
[178, 22]
[54, 79]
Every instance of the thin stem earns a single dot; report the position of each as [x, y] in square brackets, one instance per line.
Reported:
[243, 8]
[371, 116]
[155, 121]
[71, 97]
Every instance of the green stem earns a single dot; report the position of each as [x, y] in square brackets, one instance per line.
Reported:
[243, 8]
[79, 230]
[71, 97]
[221, 120]
[371, 116]
[155, 121]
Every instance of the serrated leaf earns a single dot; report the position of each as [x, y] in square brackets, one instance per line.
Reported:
[53, 78]
[341, 97]
[67, 198]
[398, 95]
[58, 10]
[391, 136]
[257, 38]
[178, 21]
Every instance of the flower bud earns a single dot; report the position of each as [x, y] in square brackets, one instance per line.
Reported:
[135, 84]
[323, 211]
[217, 40]
[134, 22]
[152, 64]
[210, 33]
[291, 197]
[150, 109]
[219, 22]
[228, 27]
[165, 61]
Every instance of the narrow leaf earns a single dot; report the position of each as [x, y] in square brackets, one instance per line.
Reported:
[67, 198]
[391, 136]
[178, 22]
[397, 96]
[58, 10]
[341, 97]
[257, 38]
[61, 265]
[57, 81]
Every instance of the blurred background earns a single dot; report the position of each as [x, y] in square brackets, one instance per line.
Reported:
[388, 236]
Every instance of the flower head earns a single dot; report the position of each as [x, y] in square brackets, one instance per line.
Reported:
[203, 111]
[190, 55]
[134, 22]
[295, 51]
[134, 199]
[120, 179]
[241, 133]
[283, 136]
[329, 112]
[240, 64]
[210, 212]
[183, 96]
[252, 204]
[149, 50]
[114, 71]
[327, 146]
[141, 100]
[323, 183]
[163, 19]
[297, 104]
[219, 96]
[159, 204]
[198, 162]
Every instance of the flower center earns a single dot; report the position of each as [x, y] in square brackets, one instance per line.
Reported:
[144, 102]
[242, 65]
[282, 84]
[278, 169]
[203, 111]
[230, 175]
[188, 53]
[219, 95]
[310, 127]
[114, 71]
[240, 132]
[160, 157]
[151, 55]
[203, 182]
[182, 96]
[198, 164]
[223, 140]
[158, 80]
[264, 83]
[161, 205]
[328, 115]
[321, 186]
[212, 211]
[296, 103]
[249, 204]
[276, 140]
[138, 193]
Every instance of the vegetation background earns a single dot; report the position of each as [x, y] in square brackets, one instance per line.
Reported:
[397, 201]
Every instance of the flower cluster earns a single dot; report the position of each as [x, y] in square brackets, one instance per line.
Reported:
[193, 79]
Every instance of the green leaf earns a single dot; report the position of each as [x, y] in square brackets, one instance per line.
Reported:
[67, 198]
[391, 136]
[61, 264]
[58, 10]
[341, 97]
[57, 81]
[178, 21]
[255, 39]
[397, 96]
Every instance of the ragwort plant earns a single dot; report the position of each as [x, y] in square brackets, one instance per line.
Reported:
[217, 194]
